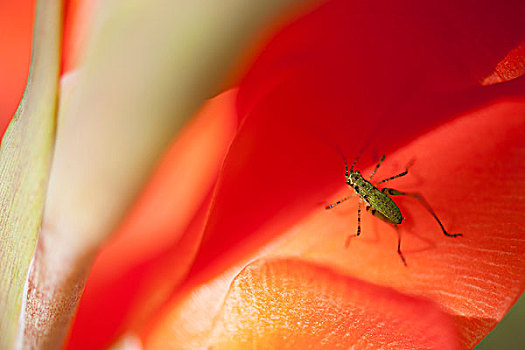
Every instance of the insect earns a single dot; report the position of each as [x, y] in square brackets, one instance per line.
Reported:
[378, 201]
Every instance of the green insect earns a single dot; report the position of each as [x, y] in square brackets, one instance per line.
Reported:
[378, 201]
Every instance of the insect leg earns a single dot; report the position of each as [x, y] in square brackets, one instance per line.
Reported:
[385, 219]
[377, 166]
[396, 176]
[392, 177]
[359, 216]
[337, 203]
[421, 199]
[347, 242]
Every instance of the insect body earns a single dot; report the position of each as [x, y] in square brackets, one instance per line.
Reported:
[378, 201]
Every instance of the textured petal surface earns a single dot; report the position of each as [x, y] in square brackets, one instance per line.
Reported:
[289, 304]
[510, 67]
[292, 304]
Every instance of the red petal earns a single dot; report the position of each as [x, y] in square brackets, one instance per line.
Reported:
[350, 74]
[373, 51]
[510, 67]
[468, 170]
[16, 24]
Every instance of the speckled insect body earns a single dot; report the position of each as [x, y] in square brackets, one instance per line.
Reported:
[378, 201]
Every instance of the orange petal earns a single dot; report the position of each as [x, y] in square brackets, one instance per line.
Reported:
[16, 24]
[292, 304]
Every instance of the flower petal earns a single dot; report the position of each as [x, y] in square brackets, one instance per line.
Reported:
[322, 82]
[468, 170]
[510, 67]
[374, 51]
[293, 304]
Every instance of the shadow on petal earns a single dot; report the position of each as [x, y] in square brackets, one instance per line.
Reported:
[351, 76]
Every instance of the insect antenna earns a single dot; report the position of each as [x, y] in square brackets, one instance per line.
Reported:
[347, 172]
[344, 159]
[355, 161]
[359, 154]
